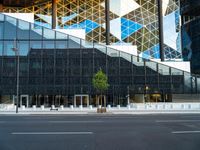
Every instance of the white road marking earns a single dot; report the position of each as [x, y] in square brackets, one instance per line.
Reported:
[185, 132]
[166, 121]
[52, 133]
[75, 121]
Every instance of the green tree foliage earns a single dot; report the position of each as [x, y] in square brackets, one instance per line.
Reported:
[100, 81]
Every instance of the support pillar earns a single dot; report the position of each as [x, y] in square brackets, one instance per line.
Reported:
[107, 18]
[161, 36]
[74, 101]
[1, 8]
[54, 14]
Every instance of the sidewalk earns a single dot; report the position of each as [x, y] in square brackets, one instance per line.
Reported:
[93, 111]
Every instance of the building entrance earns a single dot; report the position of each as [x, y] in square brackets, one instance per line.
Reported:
[24, 100]
[81, 100]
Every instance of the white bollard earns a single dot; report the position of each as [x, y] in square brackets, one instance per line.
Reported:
[52, 106]
[42, 107]
[171, 106]
[34, 107]
[90, 107]
[145, 106]
[163, 106]
[189, 106]
[108, 106]
[128, 107]
[23, 107]
[182, 106]
[99, 106]
[71, 106]
[61, 107]
[81, 107]
[118, 106]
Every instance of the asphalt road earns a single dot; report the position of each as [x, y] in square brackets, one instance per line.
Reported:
[102, 132]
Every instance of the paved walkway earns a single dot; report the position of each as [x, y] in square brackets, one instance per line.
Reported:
[78, 111]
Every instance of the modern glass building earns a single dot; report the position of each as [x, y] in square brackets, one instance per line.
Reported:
[190, 11]
[56, 68]
[133, 22]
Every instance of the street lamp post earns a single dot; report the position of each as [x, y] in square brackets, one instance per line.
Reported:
[146, 88]
[15, 49]
[128, 96]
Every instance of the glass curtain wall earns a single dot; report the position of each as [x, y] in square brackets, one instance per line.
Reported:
[55, 66]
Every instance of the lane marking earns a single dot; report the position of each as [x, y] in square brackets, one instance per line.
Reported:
[166, 121]
[70, 121]
[185, 132]
[52, 133]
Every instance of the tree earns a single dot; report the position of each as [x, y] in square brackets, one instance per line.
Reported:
[100, 82]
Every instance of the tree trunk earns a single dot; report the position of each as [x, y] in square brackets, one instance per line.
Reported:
[97, 101]
[101, 99]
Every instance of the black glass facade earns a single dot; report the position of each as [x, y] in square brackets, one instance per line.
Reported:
[190, 10]
[55, 67]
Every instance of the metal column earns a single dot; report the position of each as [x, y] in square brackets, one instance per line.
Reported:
[107, 18]
[161, 36]
[1, 8]
[54, 14]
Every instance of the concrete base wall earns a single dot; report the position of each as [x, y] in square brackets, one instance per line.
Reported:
[179, 98]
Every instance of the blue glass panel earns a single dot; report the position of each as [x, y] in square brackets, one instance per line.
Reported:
[42, 24]
[8, 48]
[35, 44]
[48, 44]
[35, 33]
[2, 17]
[88, 25]
[61, 44]
[74, 42]
[60, 35]
[67, 18]
[23, 30]
[48, 33]
[23, 47]
[1, 48]
[128, 27]
[1, 30]
[10, 28]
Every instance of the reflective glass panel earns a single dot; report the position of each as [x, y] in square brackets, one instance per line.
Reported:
[60, 35]
[188, 82]
[48, 44]
[23, 47]
[23, 30]
[101, 48]
[1, 30]
[176, 71]
[48, 34]
[74, 42]
[1, 48]
[10, 28]
[151, 68]
[8, 48]
[35, 33]
[61, 44]
[1, 17]
[164, 70]
[35, 44]
[198, 84]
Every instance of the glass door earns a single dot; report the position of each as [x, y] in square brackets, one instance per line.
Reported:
[24, 100]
